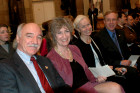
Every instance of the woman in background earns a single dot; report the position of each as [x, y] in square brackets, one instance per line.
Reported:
[46, 41]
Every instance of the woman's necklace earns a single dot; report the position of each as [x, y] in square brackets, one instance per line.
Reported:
[87, 41]
[69, 53]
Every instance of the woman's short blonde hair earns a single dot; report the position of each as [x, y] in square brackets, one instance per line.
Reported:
[77, 20]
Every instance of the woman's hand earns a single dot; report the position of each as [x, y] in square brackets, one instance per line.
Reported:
[111, 67]
[101, 79]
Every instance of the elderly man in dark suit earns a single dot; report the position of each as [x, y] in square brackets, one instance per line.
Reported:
[6, 49]
[19, 74]
[112, 43]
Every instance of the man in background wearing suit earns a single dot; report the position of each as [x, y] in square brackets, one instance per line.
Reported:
[122, 20]
[6, 49]
[18, 74]
[112, 43]
[93, 13]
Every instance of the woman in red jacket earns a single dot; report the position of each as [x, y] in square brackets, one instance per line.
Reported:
[70, 64]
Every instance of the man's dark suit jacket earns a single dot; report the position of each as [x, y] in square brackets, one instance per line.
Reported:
[4, 54]
[112, 57]
[15, 77]
[109, 50]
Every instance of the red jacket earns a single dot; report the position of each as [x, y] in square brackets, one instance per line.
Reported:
[63, 67]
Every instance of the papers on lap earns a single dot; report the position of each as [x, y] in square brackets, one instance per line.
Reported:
[102, 71]
[134, 59]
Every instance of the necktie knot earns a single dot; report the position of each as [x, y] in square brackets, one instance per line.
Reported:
[32, 59]
[113, 35]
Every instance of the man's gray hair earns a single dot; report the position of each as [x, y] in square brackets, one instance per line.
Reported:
[19, 29]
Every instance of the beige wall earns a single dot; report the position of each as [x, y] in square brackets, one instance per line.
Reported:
[106, 5]
[28, 10]
[43, 11]
[59, 11]
[82, 7]
[86, 6]
[4, 13]
[133, 3]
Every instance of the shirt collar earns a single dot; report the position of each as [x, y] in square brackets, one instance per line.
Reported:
[120, 25]
[24, 57]
[110, 32]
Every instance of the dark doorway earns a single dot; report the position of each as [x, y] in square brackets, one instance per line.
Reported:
[16, 15]
[69, 6]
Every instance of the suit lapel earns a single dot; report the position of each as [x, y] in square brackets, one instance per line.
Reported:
[110, 41]
[25, 73]
[3, 51]
[45, 66]
[50, 72]
[11, 49]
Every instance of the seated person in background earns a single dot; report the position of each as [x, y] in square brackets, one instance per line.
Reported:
[136, 18]
[6, 48]
[123, 25]
[113, 46]
[75, 34]
[122, 20]
[46, 41]
[131, 36]
[130, 33]
[70, 64]
[126, 10]
[138, 33]
[137, 7]
[136, 26]
[15, 44]
[26, 72]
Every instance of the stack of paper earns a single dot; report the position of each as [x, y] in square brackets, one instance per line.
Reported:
[102, 71]
[134, 59]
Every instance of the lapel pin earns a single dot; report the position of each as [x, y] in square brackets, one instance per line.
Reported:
[46, 67]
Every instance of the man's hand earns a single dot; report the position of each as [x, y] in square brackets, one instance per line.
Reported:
[121, 70]
[126, 62]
